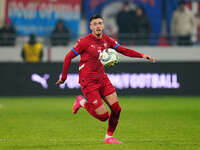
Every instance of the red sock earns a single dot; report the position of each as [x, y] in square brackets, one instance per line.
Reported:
[114, 117]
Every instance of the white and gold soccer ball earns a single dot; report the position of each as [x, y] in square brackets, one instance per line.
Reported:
[109, 57]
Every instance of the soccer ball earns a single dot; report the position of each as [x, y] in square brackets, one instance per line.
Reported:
[109, 57]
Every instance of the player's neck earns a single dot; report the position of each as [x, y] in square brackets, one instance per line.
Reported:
[99, 36]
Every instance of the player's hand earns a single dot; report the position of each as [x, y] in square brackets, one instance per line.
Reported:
[148, 58]
[59, 82]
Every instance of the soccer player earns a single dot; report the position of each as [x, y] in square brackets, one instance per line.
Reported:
[94, 82]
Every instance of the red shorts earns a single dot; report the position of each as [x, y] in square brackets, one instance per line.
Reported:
[94, 91]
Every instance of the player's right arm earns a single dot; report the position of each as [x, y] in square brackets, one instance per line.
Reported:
[66, 66]
[75, 51]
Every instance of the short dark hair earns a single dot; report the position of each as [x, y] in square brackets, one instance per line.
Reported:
[96, 17]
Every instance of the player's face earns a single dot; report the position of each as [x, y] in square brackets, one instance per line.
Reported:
[97, 26]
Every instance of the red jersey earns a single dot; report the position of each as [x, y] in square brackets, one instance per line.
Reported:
[89, 48]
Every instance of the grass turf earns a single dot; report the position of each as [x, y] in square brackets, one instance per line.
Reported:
[146, 123]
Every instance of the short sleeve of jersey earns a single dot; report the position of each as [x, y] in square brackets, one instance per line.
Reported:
[114, 44]
[78, 48]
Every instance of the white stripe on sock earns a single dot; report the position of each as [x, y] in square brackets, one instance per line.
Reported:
[108, 136]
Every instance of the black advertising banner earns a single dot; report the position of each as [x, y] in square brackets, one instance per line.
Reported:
[130, 79]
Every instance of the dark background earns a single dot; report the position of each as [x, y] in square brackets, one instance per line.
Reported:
[15, 78]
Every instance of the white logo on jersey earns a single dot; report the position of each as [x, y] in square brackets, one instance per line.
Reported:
[93, 46]
[95, 102]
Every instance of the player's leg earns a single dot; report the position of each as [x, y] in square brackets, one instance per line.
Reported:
[93, 105]
[112, 101]
[108, 92]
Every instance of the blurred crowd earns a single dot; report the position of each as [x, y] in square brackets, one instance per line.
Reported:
[134, 28]
[60, 35]
[183, 24]
[7, 35]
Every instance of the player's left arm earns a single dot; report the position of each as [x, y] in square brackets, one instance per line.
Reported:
[127, 52]
[132, 53]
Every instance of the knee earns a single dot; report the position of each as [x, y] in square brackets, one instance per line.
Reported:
[116, 108]
[103, 117]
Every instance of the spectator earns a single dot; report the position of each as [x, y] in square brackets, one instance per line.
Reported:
[141, 27]
[32, 50]
[198, 27]
[7, 35]
[124, 25]
[60, 35]
[183, 24]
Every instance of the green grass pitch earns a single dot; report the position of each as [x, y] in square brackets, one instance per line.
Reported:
[146, 123]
